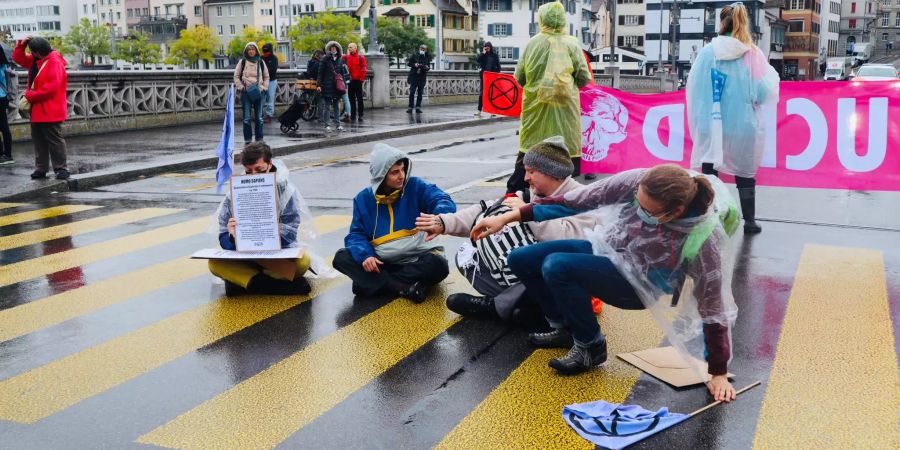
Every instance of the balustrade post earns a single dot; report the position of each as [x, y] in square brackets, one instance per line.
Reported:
[381, 80]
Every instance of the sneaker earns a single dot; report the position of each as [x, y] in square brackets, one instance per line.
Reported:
[418, 110]
[360, 119]
[751, 227]
[62, 174]
[345, 118]
[6, 160]
[246, 143]
[558, 338]
[38, 175]
[478, 114]
[472, 306]
[580, 359]
[329, 130]
[340, 128]
[264, 284]
[414, 292]
[409, 110]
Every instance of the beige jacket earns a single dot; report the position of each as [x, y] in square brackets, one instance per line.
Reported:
[250, 75]
[572, 227]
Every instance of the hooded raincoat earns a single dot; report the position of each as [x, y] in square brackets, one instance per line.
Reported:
[251, 70]
[330, 67]
[681, 270]
[727, 121]
[385, 225]
[551, 72]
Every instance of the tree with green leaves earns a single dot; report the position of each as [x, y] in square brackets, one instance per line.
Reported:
[192, 46]
[248, 34]
[136, 48]
[401, 40]
[90, 40]
[61, 44]
[311, 33]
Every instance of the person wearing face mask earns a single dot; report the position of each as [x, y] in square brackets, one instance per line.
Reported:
[45, 93]
[489, 62]
[251, 79]
[419, 64]
[331, 85]
[666, 249]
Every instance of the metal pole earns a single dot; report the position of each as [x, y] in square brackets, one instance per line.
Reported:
[112, 39]
[290, 45]
[612, 40]
[438, 50]
[659, 61]
[373, 29]
[533, 30]
[674, 55]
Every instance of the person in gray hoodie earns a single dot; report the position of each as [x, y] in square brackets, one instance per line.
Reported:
[548, 170]
[384, 252]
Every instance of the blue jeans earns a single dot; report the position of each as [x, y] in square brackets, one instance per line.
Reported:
[331, 104]
[562, 276]
[270, 103]
[257, 109]
[346, 103]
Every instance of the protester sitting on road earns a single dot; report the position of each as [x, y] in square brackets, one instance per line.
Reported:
[384, 251]
[45, 93]
[548, 171]
[250, 276]
[726, 116]
[331, 85]
[671, 229]
[551, 71]
[251, 79]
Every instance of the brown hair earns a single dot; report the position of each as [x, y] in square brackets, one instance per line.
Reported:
[255, 150]
[735, 20]
[674, 187]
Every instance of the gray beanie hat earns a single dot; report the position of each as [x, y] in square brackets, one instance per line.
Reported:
[550, 157]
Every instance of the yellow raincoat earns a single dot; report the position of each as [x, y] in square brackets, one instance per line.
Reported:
[551, 72]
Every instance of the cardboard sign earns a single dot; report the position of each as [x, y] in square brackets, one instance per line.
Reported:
[667, 364]
[502, 95]
[254, 204]
[283, 262]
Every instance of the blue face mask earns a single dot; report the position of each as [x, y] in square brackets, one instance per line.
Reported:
[646, 217]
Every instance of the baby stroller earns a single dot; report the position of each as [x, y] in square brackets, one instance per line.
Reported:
[305, 106]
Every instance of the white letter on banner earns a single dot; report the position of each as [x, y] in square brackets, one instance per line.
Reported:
[675, 150]
[770, 119]
[818, 134]
[848, 120]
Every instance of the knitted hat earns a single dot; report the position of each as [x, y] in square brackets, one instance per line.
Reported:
[550, 157]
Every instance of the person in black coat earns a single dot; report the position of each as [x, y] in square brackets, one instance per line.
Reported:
[331, 84]
[489, 62]
[271, 60]
[419, 65]
[312, 67]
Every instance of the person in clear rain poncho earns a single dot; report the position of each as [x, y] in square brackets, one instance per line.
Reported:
[551, 71]
[665, 246]
[730, 88]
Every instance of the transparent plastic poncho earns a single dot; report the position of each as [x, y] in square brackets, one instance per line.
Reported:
[731, 91]
[693, 255]
[305, 231]
[551, 72]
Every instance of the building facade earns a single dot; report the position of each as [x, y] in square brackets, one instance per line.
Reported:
[509, 24]
[857, 24]
[887, 27]
[24, 17]
[631, 26]
[104, 12]
[773, 35]
[830, 31]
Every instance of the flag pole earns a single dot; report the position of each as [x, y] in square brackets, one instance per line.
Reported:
[745, 389]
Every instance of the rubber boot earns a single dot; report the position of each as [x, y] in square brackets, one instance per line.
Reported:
[748, 209]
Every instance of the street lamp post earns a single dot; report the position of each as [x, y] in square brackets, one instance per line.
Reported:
[112, 40]
[438, 50]
[373, 29]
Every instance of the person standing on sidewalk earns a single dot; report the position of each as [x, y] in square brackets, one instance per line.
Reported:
[358, 70]
[726, 118]
[5, 93]
[419, 65]
[46, 96]
[489, 62]
[331, 85]
[551, 71]
[251, 79]
[271, 60]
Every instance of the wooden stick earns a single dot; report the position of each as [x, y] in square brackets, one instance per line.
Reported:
[745, 389]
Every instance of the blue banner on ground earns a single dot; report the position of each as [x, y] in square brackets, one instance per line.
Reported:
[614, 426]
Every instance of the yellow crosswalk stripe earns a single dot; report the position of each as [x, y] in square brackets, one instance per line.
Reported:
[68, 259]
[45, 213]
[267, 408]
[39, 314]
[835, 382]
[525, 410]
[31, 396]
[10, 205]
[82, 226]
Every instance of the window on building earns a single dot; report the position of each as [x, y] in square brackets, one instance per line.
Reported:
[156, 11]
[146, 12]
[633, 41]
[231, 10]
[269, 29]
[85, 8]
[198, 11]
[218, 11]
[885, 18]
[244, 10]
[851, 24]
[897, 19]
[354, 3]
[795, 26]
[118, 15]
[232, 29]
[93, 8]
[884, 37]
[310, 7]
[341, 3]
[501, 29]
[815, 28]
[852, 7]
[219, 30]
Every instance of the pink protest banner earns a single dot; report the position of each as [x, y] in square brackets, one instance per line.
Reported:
[834, 135]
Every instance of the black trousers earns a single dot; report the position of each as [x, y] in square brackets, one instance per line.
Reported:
[416, 87]
[481, 91]
[740, 182]
[49, 145]
[4, 128]
[430, 269]
[356, 98]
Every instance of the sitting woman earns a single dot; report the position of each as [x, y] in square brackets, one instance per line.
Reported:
[666, 226]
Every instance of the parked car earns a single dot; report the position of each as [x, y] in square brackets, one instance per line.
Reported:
[876, 72]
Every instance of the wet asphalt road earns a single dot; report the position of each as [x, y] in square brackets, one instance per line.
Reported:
[111, 338]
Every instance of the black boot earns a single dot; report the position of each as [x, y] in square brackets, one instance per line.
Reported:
[748, 209]
[233, 290]
[531, 318]
[472, 306]
[414, 292]
[580, 359]
[558, 338]
[264, 284]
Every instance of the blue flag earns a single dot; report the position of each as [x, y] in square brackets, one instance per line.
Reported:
[225, 149]
[615, 426]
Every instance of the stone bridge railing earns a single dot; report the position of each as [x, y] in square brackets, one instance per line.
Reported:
[103, 101]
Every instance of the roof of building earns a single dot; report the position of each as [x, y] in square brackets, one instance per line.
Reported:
[220, 2]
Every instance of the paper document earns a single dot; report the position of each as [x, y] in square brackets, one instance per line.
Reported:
[255, 207]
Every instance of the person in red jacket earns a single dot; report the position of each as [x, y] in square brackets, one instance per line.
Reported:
[358, 68]
[46, 92]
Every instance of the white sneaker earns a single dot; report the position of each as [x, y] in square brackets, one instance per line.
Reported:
[478, 114]
[340, 128]
[329, 130]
